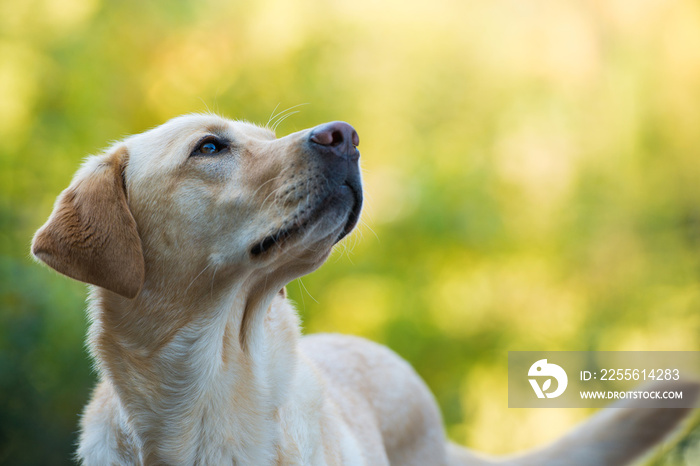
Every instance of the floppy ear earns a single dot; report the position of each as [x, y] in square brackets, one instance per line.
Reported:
[91, 235]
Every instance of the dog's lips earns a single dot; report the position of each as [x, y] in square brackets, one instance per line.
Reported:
[354, 216]
[280, 237]
[275, 239]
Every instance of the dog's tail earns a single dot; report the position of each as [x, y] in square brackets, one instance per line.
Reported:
[614, 436]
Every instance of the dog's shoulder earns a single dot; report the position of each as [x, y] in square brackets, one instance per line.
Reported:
[363, 376]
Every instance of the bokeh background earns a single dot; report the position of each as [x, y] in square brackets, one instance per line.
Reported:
[532, 171]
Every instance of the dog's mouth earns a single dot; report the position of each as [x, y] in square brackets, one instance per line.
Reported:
[280, 237]
[354, 215]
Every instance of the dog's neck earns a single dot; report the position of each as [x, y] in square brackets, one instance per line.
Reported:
[185, 365]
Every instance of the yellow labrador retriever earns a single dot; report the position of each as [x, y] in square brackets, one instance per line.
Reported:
[189, 233]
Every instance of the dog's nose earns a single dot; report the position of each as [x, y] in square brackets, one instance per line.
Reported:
[339, 137]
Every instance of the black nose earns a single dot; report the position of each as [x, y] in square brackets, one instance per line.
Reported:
[339, 137]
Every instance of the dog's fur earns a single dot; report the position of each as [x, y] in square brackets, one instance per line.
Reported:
[199, 353]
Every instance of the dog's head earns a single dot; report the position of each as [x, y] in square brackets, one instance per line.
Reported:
[202, 191]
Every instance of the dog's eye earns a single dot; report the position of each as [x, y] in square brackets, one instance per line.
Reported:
[210, 146]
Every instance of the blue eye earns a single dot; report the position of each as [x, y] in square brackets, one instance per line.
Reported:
[210, 146]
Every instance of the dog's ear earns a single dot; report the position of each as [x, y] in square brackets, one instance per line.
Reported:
[91, 234]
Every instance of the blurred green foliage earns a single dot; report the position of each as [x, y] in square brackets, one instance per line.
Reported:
[531, 172]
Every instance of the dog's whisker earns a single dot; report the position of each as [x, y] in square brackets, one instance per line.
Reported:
[195, 278]
[282, 114]
[213, 277]
[272, 115]
[278, 122]
[301, 283]
[366, 225]
[341, 249]
[206, 106]
[301, 294]
[271, 180]
[274, 195]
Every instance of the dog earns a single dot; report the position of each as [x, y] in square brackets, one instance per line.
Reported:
[188, 234]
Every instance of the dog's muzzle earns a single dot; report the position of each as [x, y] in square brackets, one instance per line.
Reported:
[340, 140]
[334, 148]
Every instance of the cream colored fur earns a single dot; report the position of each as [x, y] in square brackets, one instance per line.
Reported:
[199, 352]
